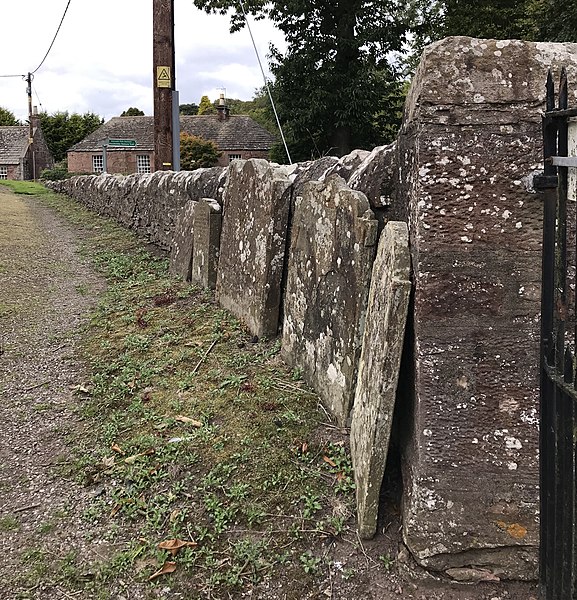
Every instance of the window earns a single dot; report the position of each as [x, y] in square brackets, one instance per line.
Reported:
[143, 163]
[97, 163]
[3, 172]
[232, 157]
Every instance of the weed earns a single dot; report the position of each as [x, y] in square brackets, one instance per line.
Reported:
[387, 561]
[309, 562]
[8, 523]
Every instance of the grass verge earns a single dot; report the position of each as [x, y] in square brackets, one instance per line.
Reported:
[217, 471]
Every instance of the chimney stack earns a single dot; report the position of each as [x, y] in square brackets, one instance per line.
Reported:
[222, 108]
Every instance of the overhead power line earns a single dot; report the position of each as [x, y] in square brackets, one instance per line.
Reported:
[54, 38]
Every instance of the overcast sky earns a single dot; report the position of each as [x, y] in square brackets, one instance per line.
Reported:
[102, 58]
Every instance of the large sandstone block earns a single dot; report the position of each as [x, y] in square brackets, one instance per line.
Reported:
[253, 244]
[379, 370]
[469, 145]
[333, 243]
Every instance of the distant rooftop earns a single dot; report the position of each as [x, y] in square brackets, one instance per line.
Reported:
[13, 143]
[237, 132]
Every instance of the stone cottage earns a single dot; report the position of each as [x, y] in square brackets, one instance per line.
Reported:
[20, 159]
[236, 136]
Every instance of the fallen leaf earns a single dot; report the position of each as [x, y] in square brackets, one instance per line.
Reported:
[329, 461]
[115, 510]
[341, 476]
[173, 546]
[117, 448]
[108, 461]
[304, 448]
[130, 460]
[167, 567]
[184, 419]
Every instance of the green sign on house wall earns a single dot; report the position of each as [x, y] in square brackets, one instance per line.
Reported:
[122, 143]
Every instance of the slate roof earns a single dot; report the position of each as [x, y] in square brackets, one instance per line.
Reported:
[238, 132]
[13, 144]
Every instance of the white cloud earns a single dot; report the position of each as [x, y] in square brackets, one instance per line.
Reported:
[102, 58]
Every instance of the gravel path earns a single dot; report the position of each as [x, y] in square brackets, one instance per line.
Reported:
[46, 290]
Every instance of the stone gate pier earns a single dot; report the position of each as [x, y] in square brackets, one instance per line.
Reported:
[469, 146]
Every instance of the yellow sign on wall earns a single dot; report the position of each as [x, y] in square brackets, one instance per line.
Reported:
[163, 79]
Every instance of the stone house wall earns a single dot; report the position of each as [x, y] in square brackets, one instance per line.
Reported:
[460, 175]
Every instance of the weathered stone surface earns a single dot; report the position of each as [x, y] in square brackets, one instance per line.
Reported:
[375, 176]
[148, 204]
[182, 242]
[332, 249]
[313, 170]
[346, 165]
[206, 247]
[469, 145]
[379, 370]
[253, 243]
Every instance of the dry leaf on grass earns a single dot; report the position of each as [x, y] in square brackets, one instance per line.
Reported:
[130, 460]
[188, 420]
[329, 461]
[167, 567]
[117, 448]
[173, 546]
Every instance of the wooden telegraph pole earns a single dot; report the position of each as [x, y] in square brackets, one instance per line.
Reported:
[164, 82]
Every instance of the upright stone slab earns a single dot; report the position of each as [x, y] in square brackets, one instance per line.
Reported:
[253, 243]
[376, 176]
[379, 370]
[469, 146]
[206, 232]
[333, 242]
[182, 242]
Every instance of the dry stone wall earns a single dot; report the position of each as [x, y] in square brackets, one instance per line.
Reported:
[148, 204]
[460, 176]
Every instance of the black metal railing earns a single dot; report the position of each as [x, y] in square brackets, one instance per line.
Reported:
[558, 402]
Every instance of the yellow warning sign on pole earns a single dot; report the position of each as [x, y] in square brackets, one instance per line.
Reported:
[163, 79]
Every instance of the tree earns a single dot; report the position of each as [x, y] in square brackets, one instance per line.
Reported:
[196, 152]
[206, 107]
[188, 109]
[62, 130]
[7, 118]
[537, 20]
[335, 76]
[132, 112]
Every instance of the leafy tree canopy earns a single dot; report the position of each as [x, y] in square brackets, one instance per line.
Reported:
[62, 130]
[188, 109]
[206, 107]
[132, 112]
[7, 118]
[196, 152]
[334, 85]
[537, 20]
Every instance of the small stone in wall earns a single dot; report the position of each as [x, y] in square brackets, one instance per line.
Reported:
[206, 235]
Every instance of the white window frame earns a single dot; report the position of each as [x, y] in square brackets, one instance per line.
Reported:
[3, 172]
[143, 163]
[234, 156]
[97, 163]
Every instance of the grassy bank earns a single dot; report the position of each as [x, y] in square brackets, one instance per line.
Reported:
[217, 471]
